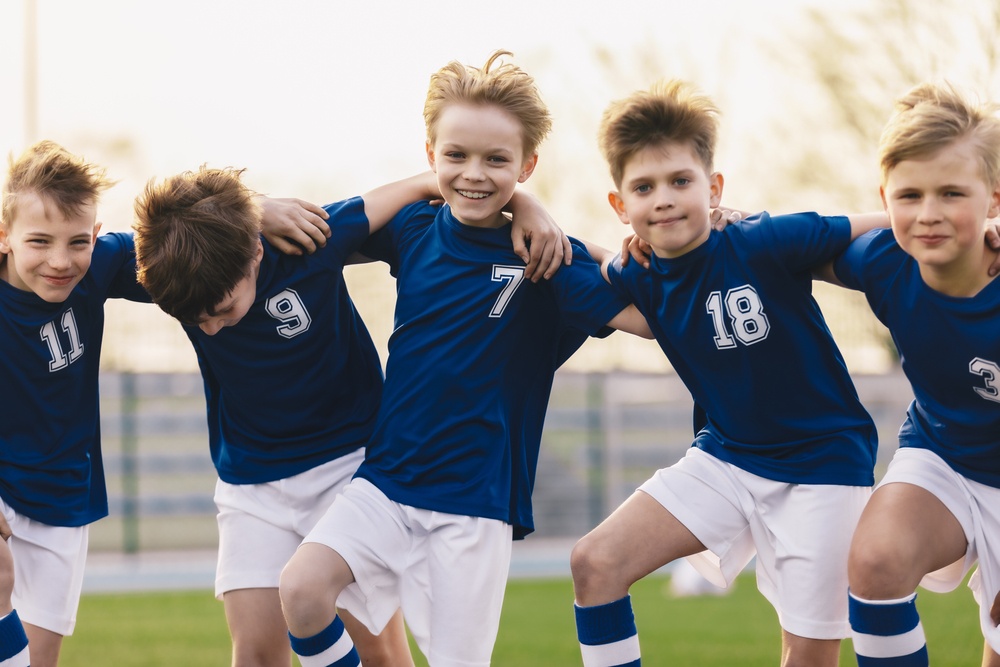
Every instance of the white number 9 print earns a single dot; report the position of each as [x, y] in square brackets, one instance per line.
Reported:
[287, 307]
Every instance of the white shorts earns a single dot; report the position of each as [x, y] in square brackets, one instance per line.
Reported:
[447, 572]
[261, 525]
[801, 534]
[977, 508]
[48, 571]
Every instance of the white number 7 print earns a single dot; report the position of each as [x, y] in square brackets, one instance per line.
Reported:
[512, 275]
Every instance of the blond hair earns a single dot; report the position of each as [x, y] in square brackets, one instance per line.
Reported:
[931, 116]
[196, 237]
[50, 171]
[498, 84]
[670, 111]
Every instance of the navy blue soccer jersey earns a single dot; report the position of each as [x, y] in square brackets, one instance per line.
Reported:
[470, 365]
[737, 320]
[51, 468]
[297, 381]
[950, 352]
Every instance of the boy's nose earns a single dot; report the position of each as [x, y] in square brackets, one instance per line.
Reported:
[212, 326]
[59, 259]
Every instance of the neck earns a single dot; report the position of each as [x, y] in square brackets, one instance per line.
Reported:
[497, 221]
[961, 279]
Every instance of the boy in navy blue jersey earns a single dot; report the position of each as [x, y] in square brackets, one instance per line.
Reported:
[937, 510]
[784, 463]
[55, 275]
[292, 379]
[427, 522]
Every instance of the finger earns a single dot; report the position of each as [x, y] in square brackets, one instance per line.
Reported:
[313, 232]
[555, 258]
[521, 250]
[567, 250]
[626, 252]
[313, 209]
[542, 255]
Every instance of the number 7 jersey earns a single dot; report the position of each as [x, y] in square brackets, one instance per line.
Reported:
[737, 320]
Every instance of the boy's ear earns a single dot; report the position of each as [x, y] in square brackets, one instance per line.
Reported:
[97, 229]
[259, 255]
[994, 203]
[618, 204]
[528, 168]
[881, 194]
[4, 243]
[715, 182]
[430, 156]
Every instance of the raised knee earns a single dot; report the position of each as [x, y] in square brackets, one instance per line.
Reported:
[591, 562]
[876, 573]
[299, 593]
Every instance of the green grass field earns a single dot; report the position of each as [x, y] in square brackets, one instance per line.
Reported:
[537, 629]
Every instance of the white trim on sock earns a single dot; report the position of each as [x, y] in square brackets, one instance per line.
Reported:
[878, 646]
[620, 652]
[19, 660]
[331, 655]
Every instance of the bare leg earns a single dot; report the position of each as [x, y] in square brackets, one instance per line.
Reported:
[639, 537]
[259, 634]
[389, 649]
[43, 646]
[803, 652]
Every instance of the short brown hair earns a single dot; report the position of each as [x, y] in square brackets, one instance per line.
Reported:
[931, 116]
[196, 237]
[506, 86]
[670, 111]
[48, 170]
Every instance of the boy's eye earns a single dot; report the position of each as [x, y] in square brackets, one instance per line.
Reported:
[954, 193]
[682, 181]
[454, 155]
[643, 188]
[498, 159]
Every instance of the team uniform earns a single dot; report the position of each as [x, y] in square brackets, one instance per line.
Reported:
[950, 439]
[784, 463]
[447, 479]
[292, 392]
[52, 482]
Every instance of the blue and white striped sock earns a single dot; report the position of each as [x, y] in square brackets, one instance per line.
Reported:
[13, 642]
[607, 634]
[887, 633]
[332, 647]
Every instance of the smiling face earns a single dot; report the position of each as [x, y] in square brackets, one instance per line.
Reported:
[938, 207]
[478, 158]
[665, 195]
[46, 252]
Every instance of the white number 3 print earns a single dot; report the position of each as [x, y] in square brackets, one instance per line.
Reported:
[746, 314]
[287, 307]
[990, 373]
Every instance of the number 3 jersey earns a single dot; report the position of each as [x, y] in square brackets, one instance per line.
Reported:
[950, 352]
[297, 381]
[737, 320]
[51, 468]
[471, 360]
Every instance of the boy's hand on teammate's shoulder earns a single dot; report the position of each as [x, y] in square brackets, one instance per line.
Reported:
[294, 226]
[993, 241]
[640, 251]
[537, 238]
[637, 249]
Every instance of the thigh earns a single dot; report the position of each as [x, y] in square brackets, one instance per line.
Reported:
[467, 561]
[803, 534]
[371, 535]
[49, 562]
[254, 543]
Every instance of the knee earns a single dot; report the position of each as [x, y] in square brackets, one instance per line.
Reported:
[875, 571]
[301, 596]
[591, 563]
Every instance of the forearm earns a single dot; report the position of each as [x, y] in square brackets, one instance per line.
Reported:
[862, 223]
[382, 203]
